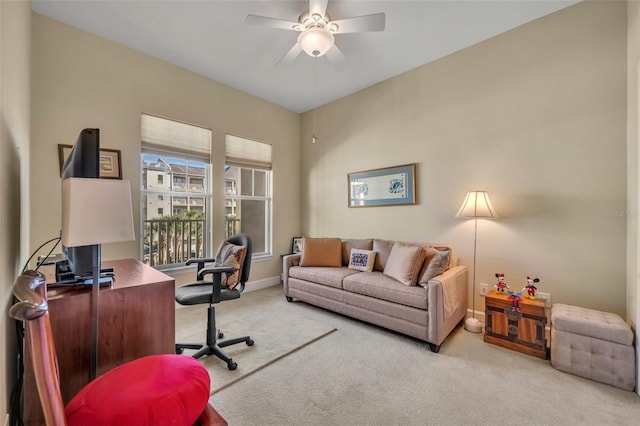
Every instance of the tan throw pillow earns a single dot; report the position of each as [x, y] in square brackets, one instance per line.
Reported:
[347, 245]
[362, 260]
[437, 265]
[404, 263]
[382, 249]
[231, 255]
[321, 252]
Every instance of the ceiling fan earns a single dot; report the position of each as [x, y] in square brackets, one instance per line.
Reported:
[317, 32]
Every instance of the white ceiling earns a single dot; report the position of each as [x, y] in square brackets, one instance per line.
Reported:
[210, 38]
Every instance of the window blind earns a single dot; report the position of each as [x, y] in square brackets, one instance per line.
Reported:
[162, 134]
[242, 152]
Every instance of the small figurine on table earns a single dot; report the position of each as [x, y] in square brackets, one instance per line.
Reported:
[530, 288]
[501, 286]
[515, 298]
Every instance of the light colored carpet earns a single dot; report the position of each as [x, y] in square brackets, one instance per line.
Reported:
[275, 335]
[365, 375]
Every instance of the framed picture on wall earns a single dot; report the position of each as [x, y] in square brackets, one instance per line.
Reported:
[110, 161]
[296, 245]
[388, 186]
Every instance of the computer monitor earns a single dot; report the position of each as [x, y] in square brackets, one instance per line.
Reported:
[82, 162]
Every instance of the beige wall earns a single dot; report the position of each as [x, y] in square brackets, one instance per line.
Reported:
[536, 116]
[633, 180]
[15, 36]
[81, 80]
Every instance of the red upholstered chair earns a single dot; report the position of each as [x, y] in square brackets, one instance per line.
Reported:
[154, 390]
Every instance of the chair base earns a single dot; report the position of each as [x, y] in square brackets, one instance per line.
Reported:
[213, 346]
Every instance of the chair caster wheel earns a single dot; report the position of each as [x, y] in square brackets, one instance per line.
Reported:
[232, 365]
[289, 299]
[220, 335]
[179, 351]
[250, 342]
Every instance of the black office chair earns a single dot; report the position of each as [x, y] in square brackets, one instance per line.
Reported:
[212, 291]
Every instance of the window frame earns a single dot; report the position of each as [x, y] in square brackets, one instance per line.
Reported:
[207, 195]
[267, 199]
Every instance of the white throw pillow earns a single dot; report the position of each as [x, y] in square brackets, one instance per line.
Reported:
[362, 260]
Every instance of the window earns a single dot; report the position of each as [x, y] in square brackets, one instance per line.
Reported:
[248, 191]
[173, 154]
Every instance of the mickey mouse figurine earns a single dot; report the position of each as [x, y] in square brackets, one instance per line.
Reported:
[501, 286]
[530, 288]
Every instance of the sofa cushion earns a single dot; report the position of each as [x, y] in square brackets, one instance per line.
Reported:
[382, 249]
[362, 260]
[321, 252]
[349, 244]
[328, 276]
[378, 285]
[436, 262]
[404, 263]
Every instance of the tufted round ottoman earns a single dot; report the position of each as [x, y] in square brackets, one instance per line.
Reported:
[592, 344]
[153, 390]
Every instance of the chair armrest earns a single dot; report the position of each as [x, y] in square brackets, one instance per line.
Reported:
[217, 279]
[287, 262]
[195, 260]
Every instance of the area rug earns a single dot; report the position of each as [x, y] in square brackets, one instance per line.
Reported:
[274, 334]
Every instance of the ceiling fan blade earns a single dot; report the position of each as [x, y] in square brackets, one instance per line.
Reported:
[318, 6]
[337, 59]
[360, 24]
[290, 56]
[263, 21]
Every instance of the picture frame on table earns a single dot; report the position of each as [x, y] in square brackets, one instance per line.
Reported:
[110, 161]
[296, 245]
[387, 186]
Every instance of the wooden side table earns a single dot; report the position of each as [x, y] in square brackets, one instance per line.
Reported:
[522, 331]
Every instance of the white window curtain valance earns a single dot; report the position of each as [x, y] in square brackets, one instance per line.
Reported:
[243, 152]
[162, 134]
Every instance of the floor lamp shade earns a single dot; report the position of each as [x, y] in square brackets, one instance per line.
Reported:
[96, 211]
[476, 205]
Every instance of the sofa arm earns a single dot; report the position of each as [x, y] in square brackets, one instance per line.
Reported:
[287, 262]
[447, 295]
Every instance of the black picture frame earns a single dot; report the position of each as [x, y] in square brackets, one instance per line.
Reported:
[296, 245]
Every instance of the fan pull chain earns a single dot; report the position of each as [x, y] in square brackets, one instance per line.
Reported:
[315, 84]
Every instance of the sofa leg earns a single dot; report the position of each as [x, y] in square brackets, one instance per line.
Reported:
[434, 348]
[289, 299]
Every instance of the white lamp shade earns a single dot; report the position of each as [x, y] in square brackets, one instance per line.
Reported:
[316, 41]
[96, 211]
[477, 204]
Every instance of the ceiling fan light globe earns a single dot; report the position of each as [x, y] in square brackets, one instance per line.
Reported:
[316, 41]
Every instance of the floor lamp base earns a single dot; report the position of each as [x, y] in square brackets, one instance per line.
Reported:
[473, 325]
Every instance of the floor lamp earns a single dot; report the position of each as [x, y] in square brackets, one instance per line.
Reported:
[477, 206]
[95, 212]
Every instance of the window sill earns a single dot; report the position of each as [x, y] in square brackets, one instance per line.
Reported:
[179, 270]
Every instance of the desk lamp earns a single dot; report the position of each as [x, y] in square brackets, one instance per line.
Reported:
[94, 212]
[476, 205]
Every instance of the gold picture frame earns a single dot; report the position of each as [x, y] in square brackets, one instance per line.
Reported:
[110, 161]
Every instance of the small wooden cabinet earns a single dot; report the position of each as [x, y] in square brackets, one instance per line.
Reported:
[522, 331]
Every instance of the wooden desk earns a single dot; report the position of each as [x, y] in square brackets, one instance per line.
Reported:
[136, 318]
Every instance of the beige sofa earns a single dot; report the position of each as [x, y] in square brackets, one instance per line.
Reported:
[414, 288]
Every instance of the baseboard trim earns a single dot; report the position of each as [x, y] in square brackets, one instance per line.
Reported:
[260, 284]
